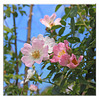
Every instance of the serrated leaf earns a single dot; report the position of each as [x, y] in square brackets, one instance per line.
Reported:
[73, 39]
[61, 31]
[57, 7]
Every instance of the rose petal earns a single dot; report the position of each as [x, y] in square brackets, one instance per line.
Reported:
[52, 18]
[26, 49]
[28, 61]
[57, 21]
[64, 60]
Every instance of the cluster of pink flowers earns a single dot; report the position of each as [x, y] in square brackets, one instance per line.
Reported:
[61, 55]
[42, 46]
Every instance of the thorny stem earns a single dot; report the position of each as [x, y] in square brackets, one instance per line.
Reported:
[15, 45]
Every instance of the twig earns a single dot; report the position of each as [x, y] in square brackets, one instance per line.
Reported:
[28, 39]
[15, 45]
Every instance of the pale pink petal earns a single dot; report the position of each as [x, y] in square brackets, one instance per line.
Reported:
[80, 58]
[40, 37]
[27, 60]
[54, 59]
[57, 21]
[64, 60]
[45, 51]
[56, 50]
[45, 21]
[52, 18]
[39, 60]
[33, 39]
[67, 43]
[26, 49]
[33, 87]
[37, 44]
[61, 46]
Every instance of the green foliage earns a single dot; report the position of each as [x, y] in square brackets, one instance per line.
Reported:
[82, 78]
[57, 7]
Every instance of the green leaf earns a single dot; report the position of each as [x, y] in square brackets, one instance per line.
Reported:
[57, 76]
[56, 90]
[72, 26]
[57, 7]
[7, 29]
[81, 29]
[56, 27]
[91, 91]
[82, 88]
[82, 80]
[73, 12]
[8, 12]
[15, 14]
[15, 7]
[63, 23]
[63, 82]
[23, 12]
[61, 31]
[67, 10]
[73, 39]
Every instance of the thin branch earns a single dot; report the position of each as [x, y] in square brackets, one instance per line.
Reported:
[15, 45]
[28, 40]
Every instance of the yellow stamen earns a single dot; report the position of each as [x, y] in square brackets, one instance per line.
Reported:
[74, 61]
[61, 53]
[36, 54]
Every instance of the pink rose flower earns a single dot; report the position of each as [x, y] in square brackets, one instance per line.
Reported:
[73, 62]
[59, 52]
[49, 21]
[34, 53]
[33, 87]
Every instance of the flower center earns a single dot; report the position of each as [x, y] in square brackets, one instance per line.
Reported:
[51, 24]
[74, 61]
[61, 53]
[36, 54]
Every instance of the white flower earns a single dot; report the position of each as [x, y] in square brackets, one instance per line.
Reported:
[30, 73]
[50, 42]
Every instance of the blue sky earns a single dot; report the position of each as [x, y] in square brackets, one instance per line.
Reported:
[39, 11]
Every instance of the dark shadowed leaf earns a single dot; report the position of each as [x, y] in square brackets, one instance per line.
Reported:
[73, 39]
[61, 31]
[57, 76]
[56, 27]
[73, 12]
